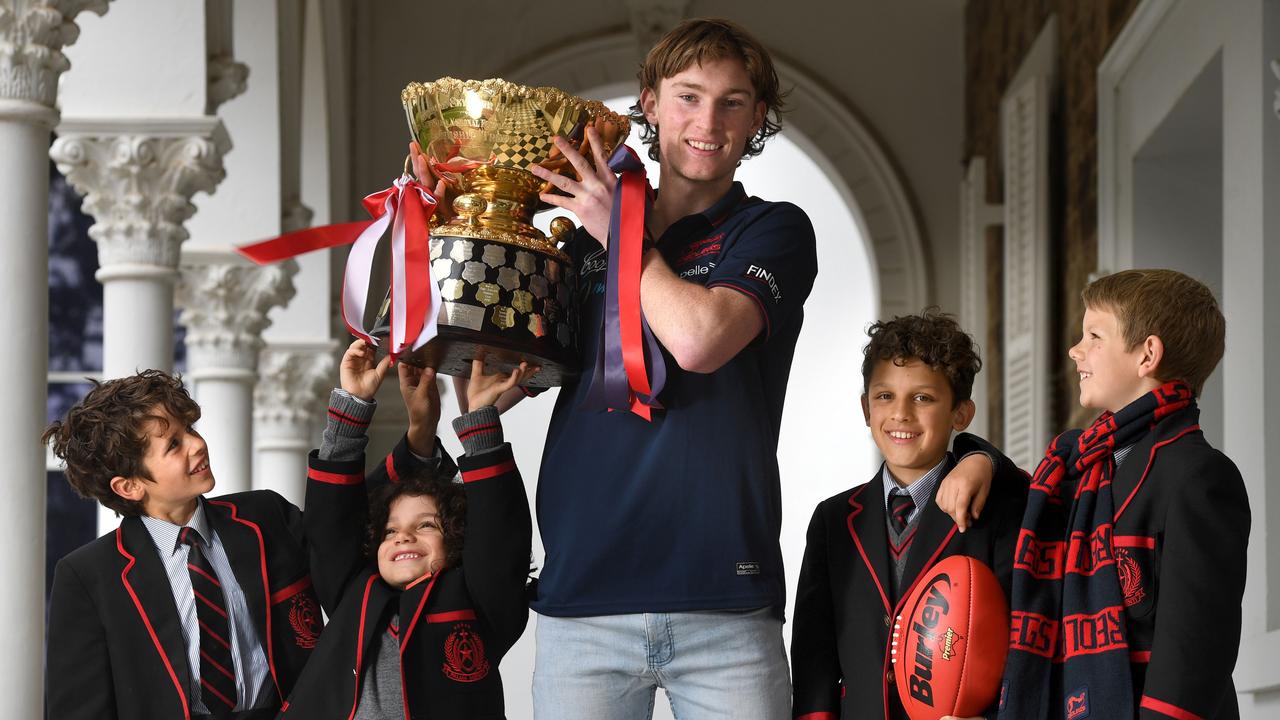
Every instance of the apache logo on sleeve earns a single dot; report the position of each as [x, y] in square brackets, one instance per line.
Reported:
[759, 274]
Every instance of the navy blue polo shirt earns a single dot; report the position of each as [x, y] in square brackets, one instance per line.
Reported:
[684, 512]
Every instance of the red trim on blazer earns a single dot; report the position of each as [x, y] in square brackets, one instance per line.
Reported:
[168, 666]
[391, 468]
[408, 630]
[266, 587]
[364, 605]
[334, 478]
[289, 591]
[1133, 541]
[488, 472]
[455, 616]
[1165, 708]
[1150, 459]
[857, 509]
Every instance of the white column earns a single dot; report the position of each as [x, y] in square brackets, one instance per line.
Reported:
[32, 35]
[289, 402]
[138, 177]
[224, 303]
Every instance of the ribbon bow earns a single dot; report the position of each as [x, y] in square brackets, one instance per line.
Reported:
[406, 207]
[629, 370]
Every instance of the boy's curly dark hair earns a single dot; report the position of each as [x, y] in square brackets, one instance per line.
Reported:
[451, 504]
[106, 434]
[932, 337]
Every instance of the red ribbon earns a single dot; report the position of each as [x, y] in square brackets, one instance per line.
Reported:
[406, 208]
[630, 257]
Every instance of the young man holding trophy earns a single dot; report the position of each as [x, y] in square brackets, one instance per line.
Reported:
[663, 567]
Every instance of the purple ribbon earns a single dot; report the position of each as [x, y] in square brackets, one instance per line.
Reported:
[608, 387]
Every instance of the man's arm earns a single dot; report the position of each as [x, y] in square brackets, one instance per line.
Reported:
[79, 683]
[815, 662]
[703, 328]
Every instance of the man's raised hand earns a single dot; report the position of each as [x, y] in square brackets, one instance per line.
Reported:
[591, 198]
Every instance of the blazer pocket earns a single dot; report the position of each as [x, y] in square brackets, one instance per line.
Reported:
[1138, 565]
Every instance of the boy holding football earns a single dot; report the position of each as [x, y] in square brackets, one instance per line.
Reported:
[867, 546]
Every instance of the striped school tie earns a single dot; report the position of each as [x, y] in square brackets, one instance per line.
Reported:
[217, 673]
[900, 507]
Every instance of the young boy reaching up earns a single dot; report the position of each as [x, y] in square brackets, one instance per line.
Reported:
[423, 579]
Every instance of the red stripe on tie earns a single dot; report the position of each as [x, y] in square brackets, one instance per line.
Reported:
[204, 574]
[454, 616]
[391, 469]
[205, 684]
[285, 593]
[488, 472]
[1165, 708]
[334, 478]
[213, 634]
[210, 603]
[204, 658]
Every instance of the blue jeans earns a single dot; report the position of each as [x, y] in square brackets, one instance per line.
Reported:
[711, 665]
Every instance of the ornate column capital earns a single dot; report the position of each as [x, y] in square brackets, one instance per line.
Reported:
[224, 306]
[32, 36]
[293, 384]
[137, 178]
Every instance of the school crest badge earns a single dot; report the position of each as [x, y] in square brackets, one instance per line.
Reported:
[464, 658]
[304, 617]
[1130, 577]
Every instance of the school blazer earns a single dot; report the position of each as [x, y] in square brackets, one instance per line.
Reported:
[1181, 536]
[454, 628]
[844, 609]
[115, 645]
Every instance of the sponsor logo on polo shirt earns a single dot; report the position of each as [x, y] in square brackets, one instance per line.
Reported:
[697, 270]
[755, 272]
[748, 568]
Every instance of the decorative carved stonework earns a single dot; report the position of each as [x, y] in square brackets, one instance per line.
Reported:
[225, 306]
[1275, 70]
[293, 384]
[295, 216]
[651, 19]
[32, 36]
[227, 79]
[138, 186]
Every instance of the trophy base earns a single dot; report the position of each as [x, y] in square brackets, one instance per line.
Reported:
[452, 350]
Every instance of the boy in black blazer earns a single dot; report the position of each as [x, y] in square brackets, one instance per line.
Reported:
[867, 546]
[423, 579]
[194, 607]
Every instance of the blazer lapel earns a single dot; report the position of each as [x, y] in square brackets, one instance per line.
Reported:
[242, 541]
[1129, 476]
[867, 528]
[148, 583]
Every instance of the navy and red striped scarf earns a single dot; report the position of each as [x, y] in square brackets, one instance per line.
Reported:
[1068, 648]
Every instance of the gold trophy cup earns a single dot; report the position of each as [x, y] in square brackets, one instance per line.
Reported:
[507, 290]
